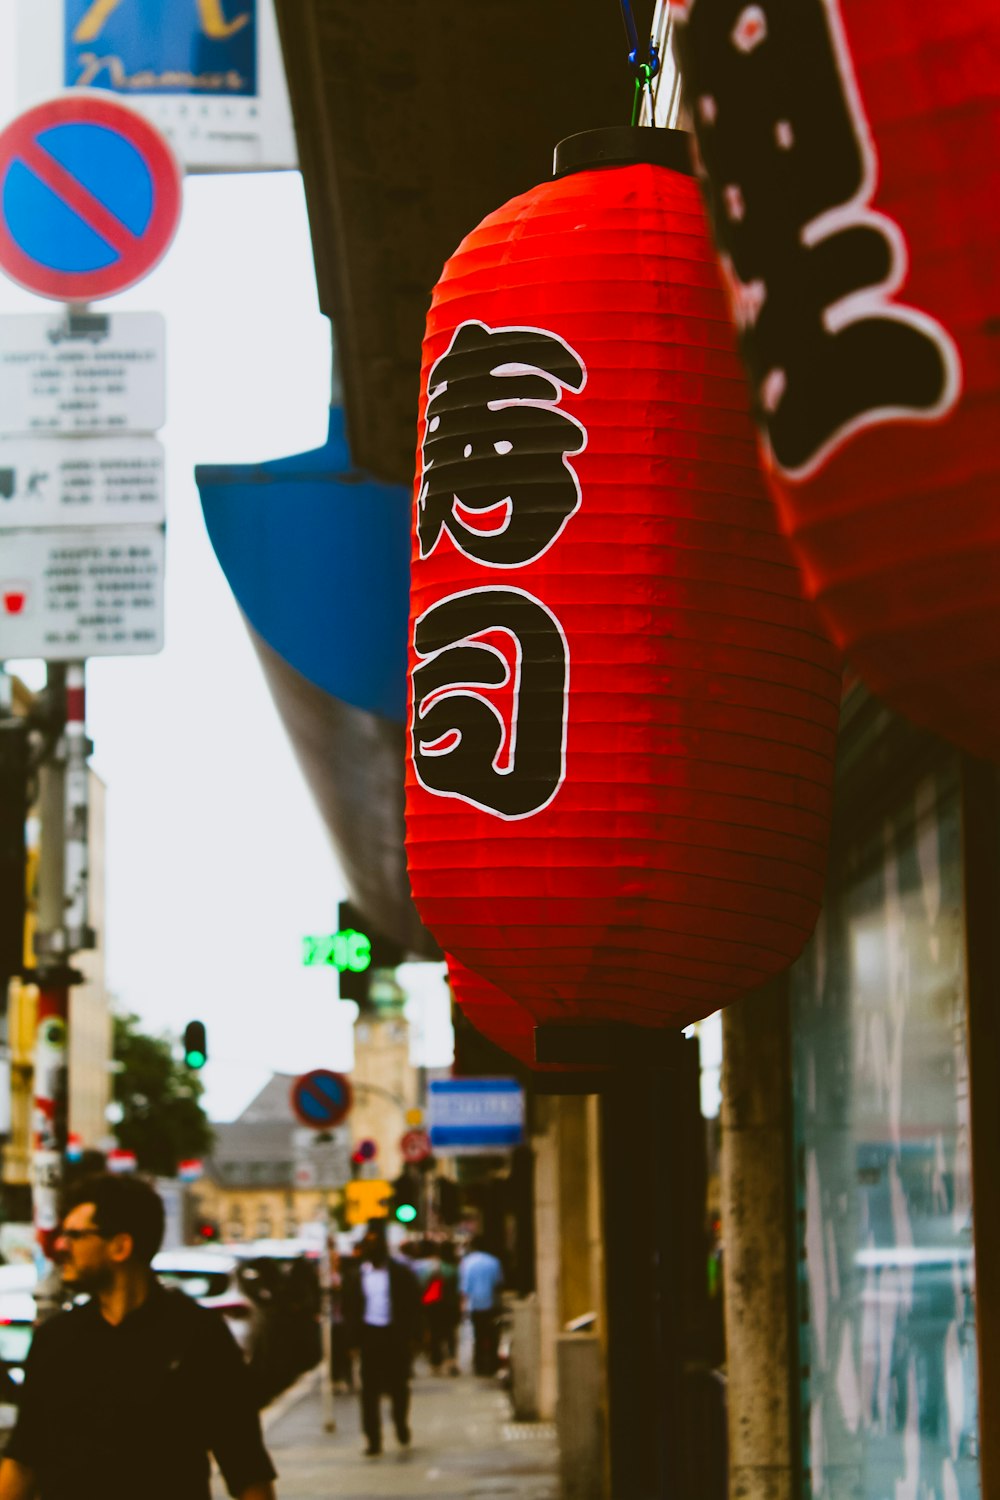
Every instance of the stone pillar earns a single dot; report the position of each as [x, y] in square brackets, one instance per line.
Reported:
[576, 1171]
[525, 1358]
[580, 1417]
[759, 1247]
[547, 1250]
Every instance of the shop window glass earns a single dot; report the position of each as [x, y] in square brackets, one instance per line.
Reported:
[890, 1397]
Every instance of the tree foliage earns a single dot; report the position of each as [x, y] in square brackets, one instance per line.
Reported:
[162, 1121]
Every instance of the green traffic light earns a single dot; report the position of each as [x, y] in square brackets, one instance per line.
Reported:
[406, 1213]
[195, 1059]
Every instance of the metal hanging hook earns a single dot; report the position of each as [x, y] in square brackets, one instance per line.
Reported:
[644, 68]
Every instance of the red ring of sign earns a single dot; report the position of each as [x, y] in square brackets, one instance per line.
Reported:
[339, 1112]
[150, 247]
[415, 1145]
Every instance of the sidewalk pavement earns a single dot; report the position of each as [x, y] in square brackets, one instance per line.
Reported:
[465, 1443]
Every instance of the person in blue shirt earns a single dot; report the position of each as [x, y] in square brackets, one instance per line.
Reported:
[480, 1281]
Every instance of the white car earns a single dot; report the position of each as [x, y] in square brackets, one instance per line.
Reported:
[210, 1277]
[17, 1327]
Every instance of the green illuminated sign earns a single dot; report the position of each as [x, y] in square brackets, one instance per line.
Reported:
[346, 950]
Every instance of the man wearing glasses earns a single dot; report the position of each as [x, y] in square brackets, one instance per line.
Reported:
[126, 1395]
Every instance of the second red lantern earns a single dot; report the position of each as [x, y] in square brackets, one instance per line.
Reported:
[851, 155]
[623, 710]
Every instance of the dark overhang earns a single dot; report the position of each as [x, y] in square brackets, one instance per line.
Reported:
[415, 118]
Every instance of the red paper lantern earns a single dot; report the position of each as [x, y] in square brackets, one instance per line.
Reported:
[494, 1015]
[623, 710]
[852, 159]
[503, 1021]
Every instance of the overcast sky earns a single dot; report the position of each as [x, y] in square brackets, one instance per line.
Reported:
[217, 862]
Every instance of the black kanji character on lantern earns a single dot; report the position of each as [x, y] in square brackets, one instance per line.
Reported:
[489, 701]
[496, 444]
[812, 267]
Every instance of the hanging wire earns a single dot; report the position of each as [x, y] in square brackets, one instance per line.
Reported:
[645, 63]
[664, 105]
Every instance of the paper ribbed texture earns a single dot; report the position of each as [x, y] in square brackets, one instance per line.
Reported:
[896, 525]
[680, 862]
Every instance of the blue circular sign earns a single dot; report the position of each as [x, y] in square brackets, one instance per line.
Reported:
[90, 197]
[321, 1098]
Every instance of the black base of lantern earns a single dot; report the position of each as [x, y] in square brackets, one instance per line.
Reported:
[610, 1046]
[623, 146]
[571, 1083]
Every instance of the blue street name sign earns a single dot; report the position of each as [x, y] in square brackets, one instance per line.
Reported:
[206, 47]
[475, 1114]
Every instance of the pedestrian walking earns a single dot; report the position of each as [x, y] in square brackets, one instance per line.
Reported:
[381, 1304]
[480, 1280]
[128, 1394]
[442, 1309]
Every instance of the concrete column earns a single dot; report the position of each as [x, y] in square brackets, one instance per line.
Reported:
[525, 1359]
[576, 1293]
[759, 1247]
[595, 1221]
[547, 1243]
[580, 1417]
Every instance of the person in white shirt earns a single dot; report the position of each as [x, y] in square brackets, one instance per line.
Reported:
[381, 1301]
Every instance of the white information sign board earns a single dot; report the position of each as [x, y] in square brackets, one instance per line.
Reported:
[322, 1158]
[80, 481]
[66, 594]
[211, 77]
[66, 376]
[475, 1115]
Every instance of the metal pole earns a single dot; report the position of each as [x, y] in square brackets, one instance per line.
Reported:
[76, 872]
[50, 1086]
[326, 1319]
[63, 928]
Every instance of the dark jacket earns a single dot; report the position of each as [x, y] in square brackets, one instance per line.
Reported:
[134, 1409]
[404, 1301]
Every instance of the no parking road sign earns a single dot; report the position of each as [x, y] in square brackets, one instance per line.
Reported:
[90, 197]
[321, 1098]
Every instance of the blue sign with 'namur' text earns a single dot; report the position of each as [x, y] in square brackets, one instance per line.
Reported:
[475, 1114]
[206, 47]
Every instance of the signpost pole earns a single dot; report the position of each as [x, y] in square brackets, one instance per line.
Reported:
[63, 928]
[49, 1123]
[326, 1321]
[76, 873]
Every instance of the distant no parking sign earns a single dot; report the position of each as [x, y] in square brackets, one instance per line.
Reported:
[90, 198]
[321, 1099]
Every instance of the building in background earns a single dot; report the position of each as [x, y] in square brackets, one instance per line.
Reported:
[384, 1080]
[252, 1187]
[269, 1175]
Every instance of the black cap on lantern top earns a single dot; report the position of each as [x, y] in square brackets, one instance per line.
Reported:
[623, 146]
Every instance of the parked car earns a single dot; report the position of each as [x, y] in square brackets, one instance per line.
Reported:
[286, 1251]
[281, 1278]
[211, 1278]
[17, 1327]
